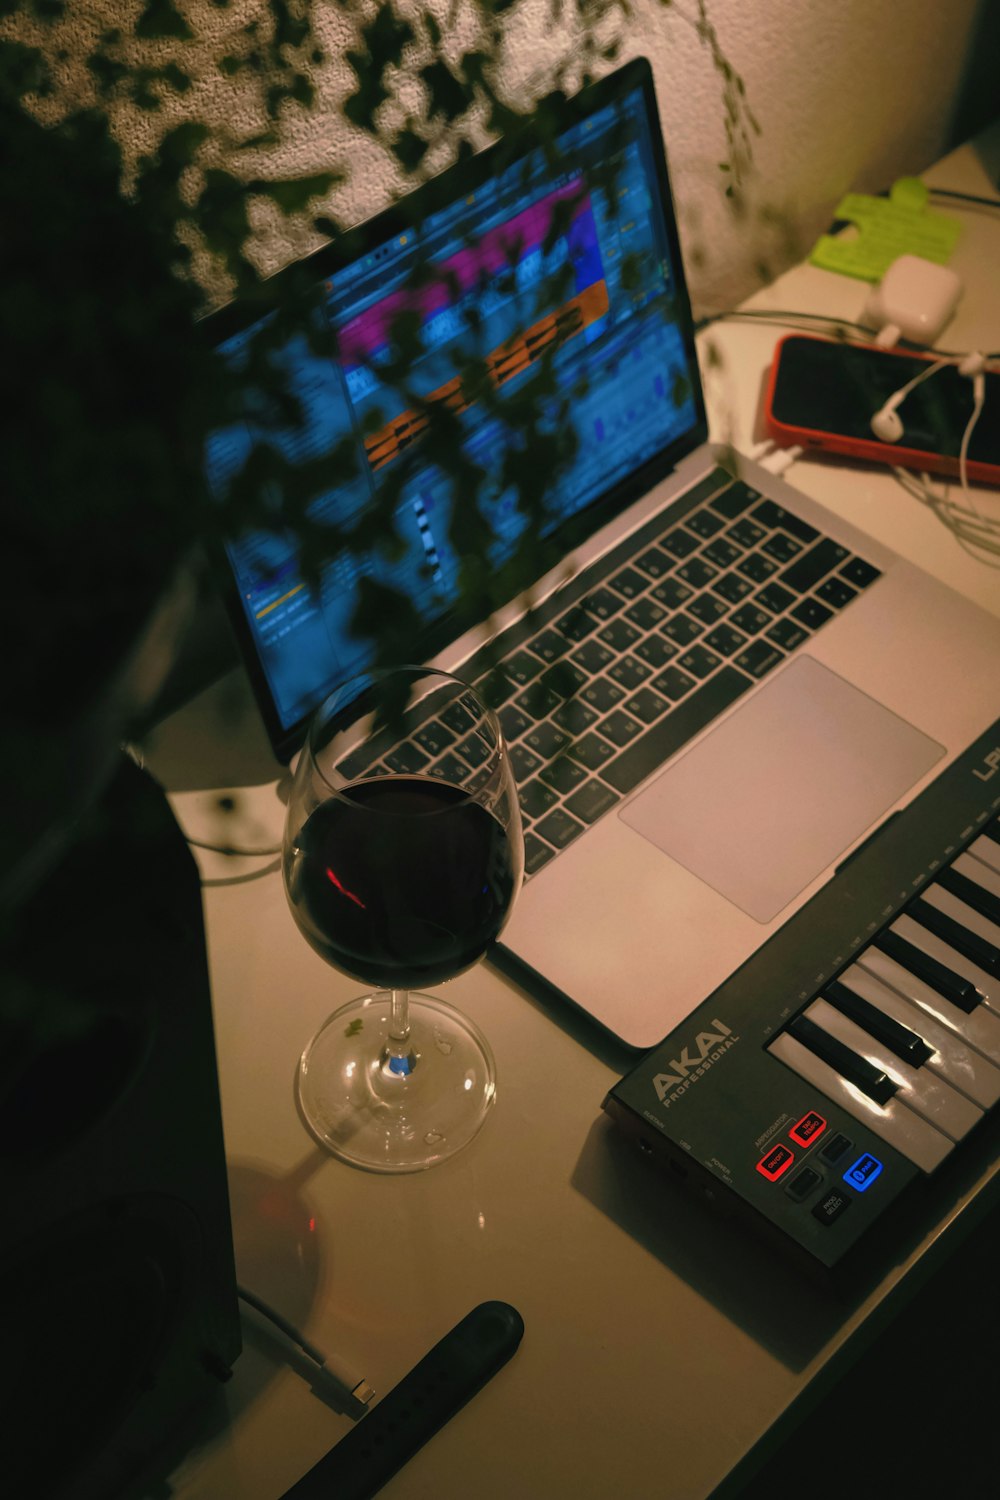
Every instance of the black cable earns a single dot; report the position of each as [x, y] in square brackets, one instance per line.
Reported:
[936, 192]
[231, 850]
[783, 318]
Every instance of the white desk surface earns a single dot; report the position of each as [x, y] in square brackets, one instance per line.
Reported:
[659, 1348]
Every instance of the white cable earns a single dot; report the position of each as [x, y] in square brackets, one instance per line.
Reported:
[332, 1364]
[974, 533]
[886, 423]
[974, 547]
[889, 336]
[978, 401]
[784, 460]
[900, 396]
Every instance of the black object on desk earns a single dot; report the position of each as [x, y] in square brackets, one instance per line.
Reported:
[440, 1385]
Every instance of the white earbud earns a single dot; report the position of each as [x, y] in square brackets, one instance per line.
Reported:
[972, 364]
[887, 424]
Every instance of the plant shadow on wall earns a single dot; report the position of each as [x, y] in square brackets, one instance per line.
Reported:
[142, 184]
[174, 203]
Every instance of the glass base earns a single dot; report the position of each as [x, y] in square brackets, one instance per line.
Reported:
[389, 1109]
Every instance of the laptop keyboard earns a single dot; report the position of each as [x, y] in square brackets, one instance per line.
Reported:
[663, 634]
[638, 653]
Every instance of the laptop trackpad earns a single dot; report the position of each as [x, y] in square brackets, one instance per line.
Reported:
[780, 789]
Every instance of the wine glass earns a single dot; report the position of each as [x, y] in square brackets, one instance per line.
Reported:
[403, 854]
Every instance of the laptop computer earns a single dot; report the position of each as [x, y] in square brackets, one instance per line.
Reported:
[753, 686]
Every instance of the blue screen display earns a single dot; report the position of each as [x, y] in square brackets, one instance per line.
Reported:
[494, 255]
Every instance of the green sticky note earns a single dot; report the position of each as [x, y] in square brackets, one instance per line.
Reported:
[901, 224]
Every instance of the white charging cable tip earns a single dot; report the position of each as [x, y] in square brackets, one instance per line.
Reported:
[784, 460]
[972, 364]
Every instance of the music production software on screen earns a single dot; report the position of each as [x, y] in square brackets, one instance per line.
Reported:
[623, 353]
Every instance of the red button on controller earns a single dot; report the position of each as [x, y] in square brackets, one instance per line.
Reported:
[809, 1129]
[777, 1160]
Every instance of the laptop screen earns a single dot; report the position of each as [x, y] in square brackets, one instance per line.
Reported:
[592, 222]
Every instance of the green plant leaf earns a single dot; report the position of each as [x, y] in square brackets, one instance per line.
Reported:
[290, 30]
[387, 617]
[23, 70]
[294, 194]
[108, 72]
[302, 90]
[144, 84]
[631, 271]
[161, 19]
[142, 94]
[174, 77]
[405, 332]
[448, 95]
[296, 87]
[221, 214]
[475, 65]
[385, 37]
[179, 146]
[409, 149]
[361, 106]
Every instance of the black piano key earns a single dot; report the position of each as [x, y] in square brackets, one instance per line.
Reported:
[976, 896]
[954, 987]
[857, 1070]
[906, 1044]
[978, 950]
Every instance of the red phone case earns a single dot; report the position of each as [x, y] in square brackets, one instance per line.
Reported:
[871, 450]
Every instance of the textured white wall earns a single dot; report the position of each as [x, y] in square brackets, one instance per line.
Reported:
[849, 94]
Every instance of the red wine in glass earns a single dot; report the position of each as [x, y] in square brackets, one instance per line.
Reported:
[402, 878]
[402, 881]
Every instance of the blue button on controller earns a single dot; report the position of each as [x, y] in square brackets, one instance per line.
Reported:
[864, 1172]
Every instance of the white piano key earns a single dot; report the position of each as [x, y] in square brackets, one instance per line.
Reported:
[912, 931]
[960, 911]
[957, 1062]
[980, 1028]
[987, 850]
[975, 869]
[920, 1090]
[911, 1136]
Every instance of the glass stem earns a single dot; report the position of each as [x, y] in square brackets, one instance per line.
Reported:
[399, 1057]
[399, 1022]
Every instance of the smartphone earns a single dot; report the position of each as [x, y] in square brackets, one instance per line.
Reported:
[823, 393]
